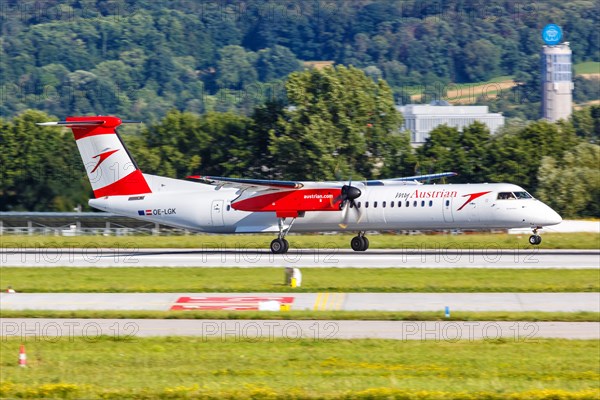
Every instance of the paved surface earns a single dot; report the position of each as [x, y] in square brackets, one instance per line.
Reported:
[564, 302]
[304, 258]
[251, 330]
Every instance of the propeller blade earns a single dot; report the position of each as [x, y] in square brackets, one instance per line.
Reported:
[360, 214]
[344, 223]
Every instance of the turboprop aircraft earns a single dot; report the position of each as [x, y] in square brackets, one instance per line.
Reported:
[233, 205]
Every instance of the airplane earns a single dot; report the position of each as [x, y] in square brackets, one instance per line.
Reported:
[234, 205]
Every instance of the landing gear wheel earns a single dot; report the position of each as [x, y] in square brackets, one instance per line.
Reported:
[535, 240]
[357, 243]
[286, 246]
[278, 246]
[366, 243]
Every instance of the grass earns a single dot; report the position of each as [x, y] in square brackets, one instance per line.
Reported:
[589, 67]
[185, 367]
[534, 316]
[391, 280]
[383, 241]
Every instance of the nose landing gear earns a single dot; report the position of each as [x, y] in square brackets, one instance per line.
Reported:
[535, 239]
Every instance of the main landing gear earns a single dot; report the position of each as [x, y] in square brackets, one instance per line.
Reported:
[535, 239]
[359, 242]
[280, 245]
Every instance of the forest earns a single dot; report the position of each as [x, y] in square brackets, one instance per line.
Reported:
[224, 88]
[140, 59]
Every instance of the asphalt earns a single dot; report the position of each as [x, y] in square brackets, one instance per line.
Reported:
[252, 330]
[547, 302]
[15, 256]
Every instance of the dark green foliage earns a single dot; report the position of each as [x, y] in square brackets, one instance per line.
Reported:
[140, 59]
[40, 168]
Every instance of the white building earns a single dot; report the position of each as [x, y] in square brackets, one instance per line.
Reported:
[557, 82]
[420, 119]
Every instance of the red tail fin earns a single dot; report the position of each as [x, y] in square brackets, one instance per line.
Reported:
[110, 168]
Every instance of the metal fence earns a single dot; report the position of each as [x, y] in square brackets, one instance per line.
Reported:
[78, 224]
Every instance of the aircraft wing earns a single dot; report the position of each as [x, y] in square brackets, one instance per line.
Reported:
[427, 177]
[264, 184]
[241, 183]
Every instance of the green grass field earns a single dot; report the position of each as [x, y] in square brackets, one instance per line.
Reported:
[382, 241]
[589, 67]
[183, 367]
[535, 316]
[185, 280]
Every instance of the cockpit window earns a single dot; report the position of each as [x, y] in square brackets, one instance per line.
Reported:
[523, 195]
[506, 196]
[514, 196]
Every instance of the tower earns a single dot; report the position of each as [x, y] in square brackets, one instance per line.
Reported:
[557, 83]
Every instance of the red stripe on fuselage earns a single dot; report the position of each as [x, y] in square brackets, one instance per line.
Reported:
[291, 201]
[133, 183]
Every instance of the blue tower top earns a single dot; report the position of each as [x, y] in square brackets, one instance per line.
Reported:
[552, 34]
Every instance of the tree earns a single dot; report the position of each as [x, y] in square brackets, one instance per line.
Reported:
[41, 167]
[235, 68]
[336, 127]
[173, 144]
[465, 152]
[481, 60]
[517, 155]
[276, 63]
[571, 184]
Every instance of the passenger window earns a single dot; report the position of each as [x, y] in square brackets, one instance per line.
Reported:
[447, 203]
[358, 205]
[375, 204]
[366, 204]
[392, 204]
[407, 203]
[400, 203]
[383, 205]
[228, 207]
[430, 203]
[414, 203]
[423, 203]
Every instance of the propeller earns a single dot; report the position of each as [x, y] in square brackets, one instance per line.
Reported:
[347, 199]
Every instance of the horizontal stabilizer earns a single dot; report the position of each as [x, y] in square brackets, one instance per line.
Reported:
[69, 124]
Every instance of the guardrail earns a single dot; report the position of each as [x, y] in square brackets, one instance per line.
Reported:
[79, 224]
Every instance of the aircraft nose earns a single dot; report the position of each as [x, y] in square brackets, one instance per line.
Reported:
[548, 216]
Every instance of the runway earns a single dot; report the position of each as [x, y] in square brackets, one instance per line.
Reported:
[253, 330]
[302, 258]
[417, 302]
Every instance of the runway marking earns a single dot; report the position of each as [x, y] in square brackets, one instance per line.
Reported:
[329, 301]
[230, 303]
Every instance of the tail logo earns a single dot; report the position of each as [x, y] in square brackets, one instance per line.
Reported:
[103, 156]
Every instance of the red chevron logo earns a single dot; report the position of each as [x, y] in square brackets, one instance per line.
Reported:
[103, 156]
[472, 197]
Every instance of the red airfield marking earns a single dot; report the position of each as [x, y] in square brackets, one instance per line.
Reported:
[229, 303]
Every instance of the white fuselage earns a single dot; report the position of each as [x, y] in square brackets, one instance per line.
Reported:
[397, 206]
